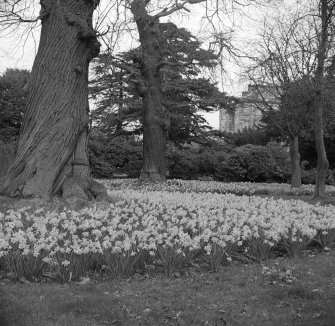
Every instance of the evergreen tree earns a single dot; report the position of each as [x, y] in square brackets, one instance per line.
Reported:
[13, 99]
[185, 91]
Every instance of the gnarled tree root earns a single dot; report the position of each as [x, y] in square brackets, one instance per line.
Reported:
[78, 191]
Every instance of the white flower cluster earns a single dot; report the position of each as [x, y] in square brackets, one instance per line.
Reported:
[238, 188]
[149, 220]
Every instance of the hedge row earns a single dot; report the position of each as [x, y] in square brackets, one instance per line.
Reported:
[253, 163]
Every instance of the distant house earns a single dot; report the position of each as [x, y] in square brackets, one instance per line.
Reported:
[247, 114]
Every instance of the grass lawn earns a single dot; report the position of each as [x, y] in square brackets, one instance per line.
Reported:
[290, 292]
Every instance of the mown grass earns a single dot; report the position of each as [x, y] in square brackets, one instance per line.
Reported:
[236, 295]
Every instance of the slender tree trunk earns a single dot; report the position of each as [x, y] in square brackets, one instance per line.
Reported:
[155, 122]
[322, 165]
[52, 146]
[118, 128]
[322, 161]
[295, 162]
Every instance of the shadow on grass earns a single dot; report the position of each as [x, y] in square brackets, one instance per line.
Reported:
[12, 312]
[238, 294]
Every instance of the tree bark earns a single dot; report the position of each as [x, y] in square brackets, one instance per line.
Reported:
[322, 162]
[53, 139]
[295, 162]
[155, 121]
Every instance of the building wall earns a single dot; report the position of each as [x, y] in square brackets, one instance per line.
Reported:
[227, 121]
[246, 115]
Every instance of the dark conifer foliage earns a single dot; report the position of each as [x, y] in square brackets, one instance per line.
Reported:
[13, 98]
[185, 91]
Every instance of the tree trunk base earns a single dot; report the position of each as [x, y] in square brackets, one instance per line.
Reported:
[150, 179]
[320, 197]
[57, 203]
[78, 191]
[152, 176]
[296, 185]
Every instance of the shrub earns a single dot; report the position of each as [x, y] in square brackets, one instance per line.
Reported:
[123, 155]
[182, 163]
[256, 164]
[309, 177]
[247, 136]
[209, 160]
[194, 162]
[249, 163]
[126, 156]
[281, 156]
[100, 168]
[118, 155]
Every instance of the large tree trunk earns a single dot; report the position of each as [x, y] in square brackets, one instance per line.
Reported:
[295, 162]
[323, 164]
[155, 122]
[52, 146]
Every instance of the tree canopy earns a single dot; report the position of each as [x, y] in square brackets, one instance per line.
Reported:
[185, 91]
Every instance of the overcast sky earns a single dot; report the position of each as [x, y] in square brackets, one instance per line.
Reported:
[19, 51]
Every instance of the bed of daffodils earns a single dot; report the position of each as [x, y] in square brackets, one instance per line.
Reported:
[237, 188]
[169, 229]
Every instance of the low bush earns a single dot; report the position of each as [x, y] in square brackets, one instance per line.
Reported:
[119, 155]
[282, 159]
[182, 163]
[122, 155]
[209, 161]
[309, 177]
[247, 136]
[192, 162]
[252, 163]
[100, 168]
